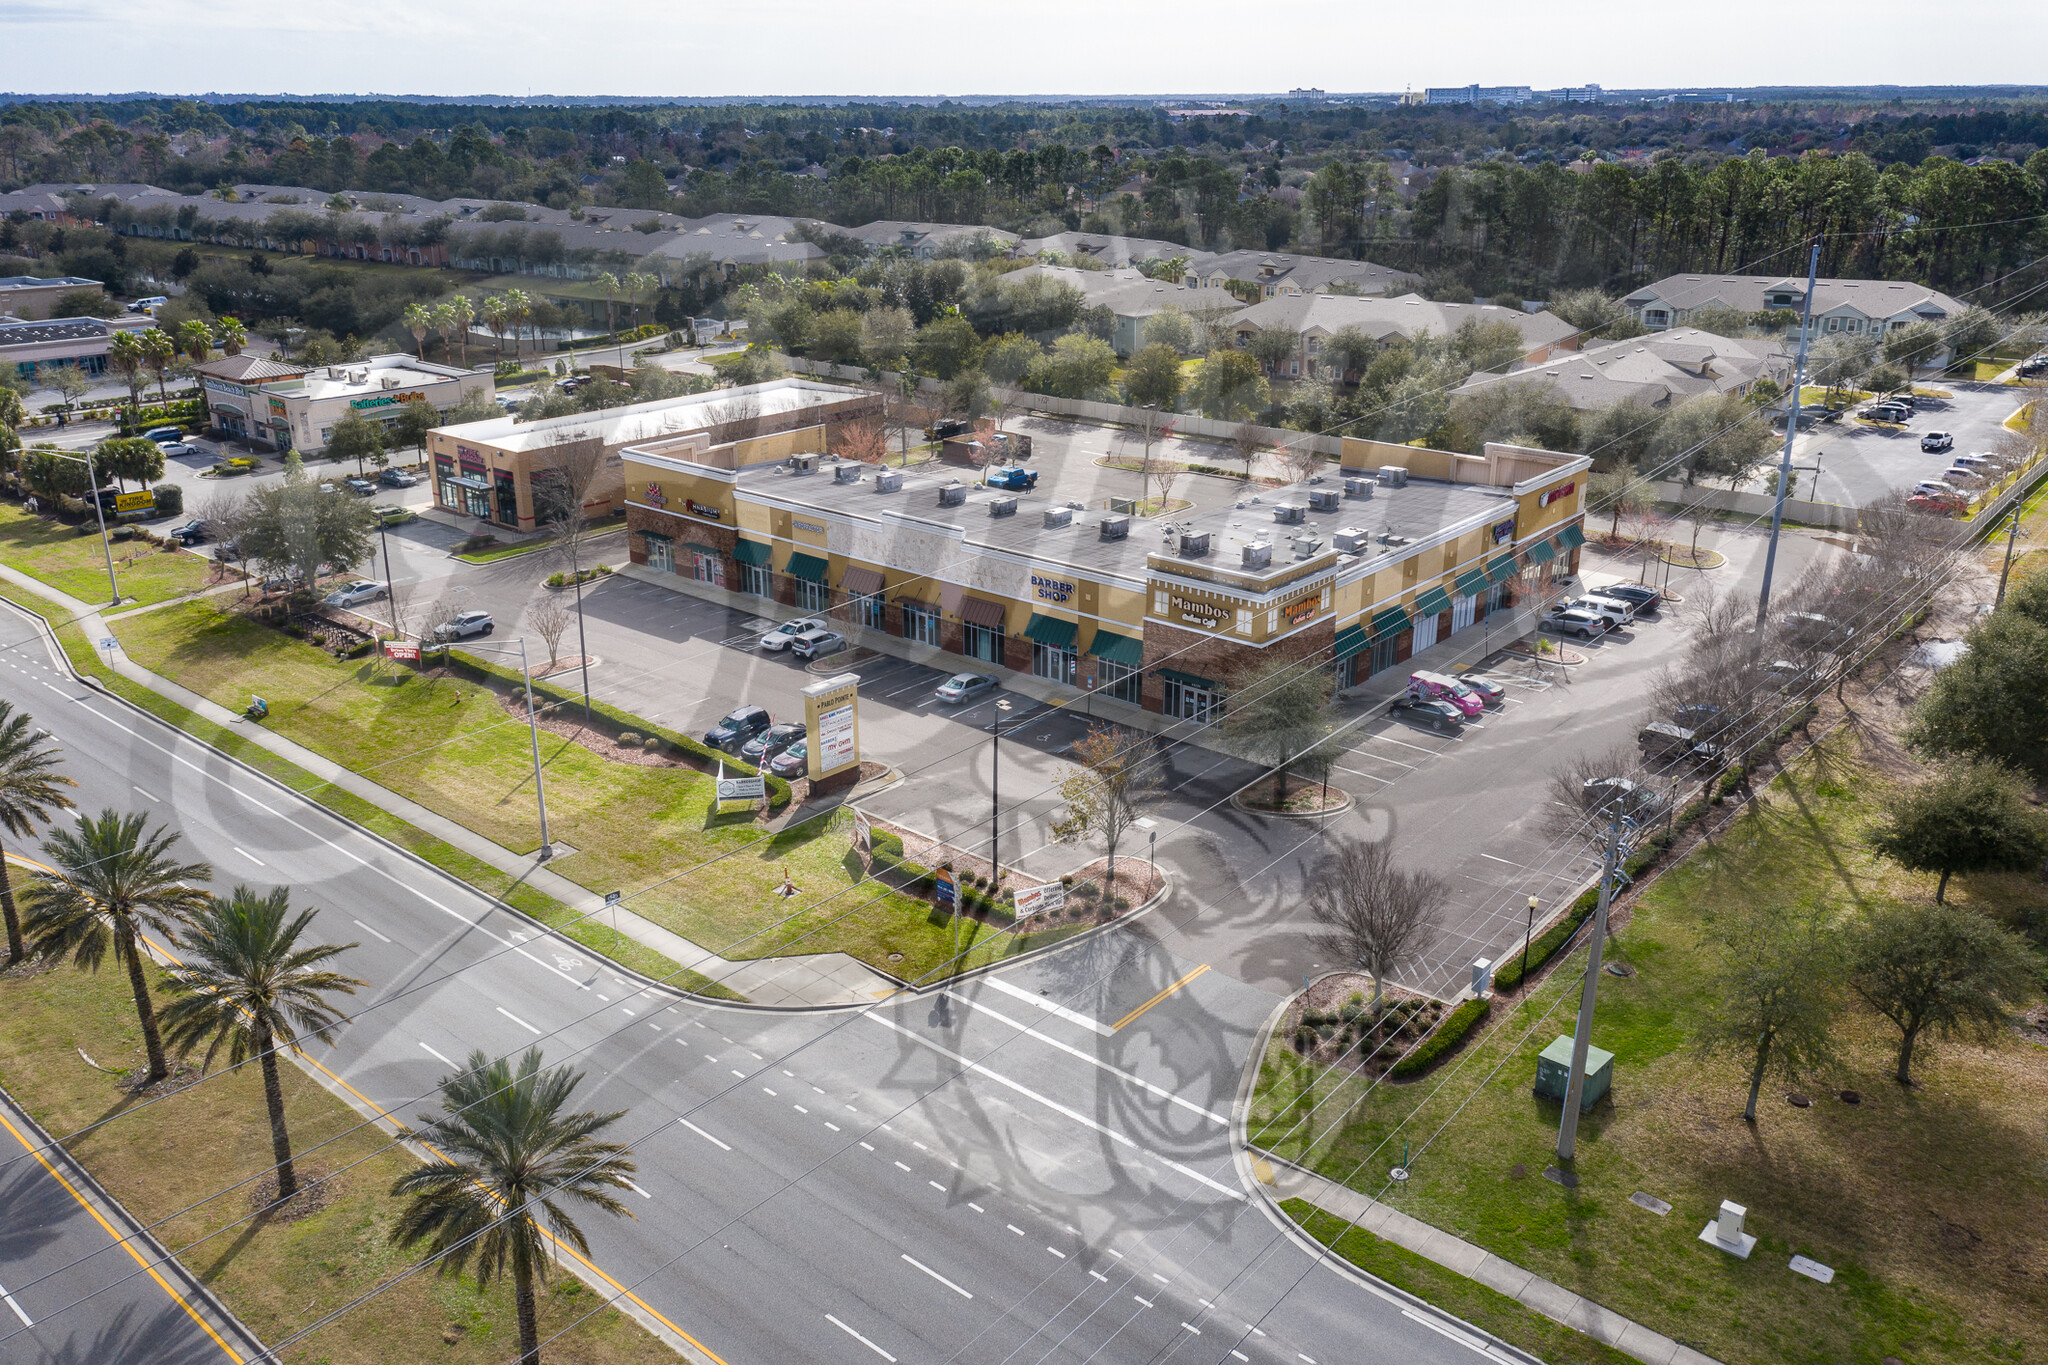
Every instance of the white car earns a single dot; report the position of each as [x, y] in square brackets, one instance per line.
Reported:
[779, 638]
[466, 624]
[349, 594]
[174, 449]
[1616, 612]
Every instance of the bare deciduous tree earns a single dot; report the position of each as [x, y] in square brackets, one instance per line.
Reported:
[866, 440]
[1374, 915]
[1113, 777]
[1248, 443]
[551, 621]
[1301, 459]
[573, 472]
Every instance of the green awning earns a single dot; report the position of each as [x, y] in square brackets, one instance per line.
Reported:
[1118, 649]
[1050, 630]
[694, 548]
[1351, 640]
[1501, 569]
[1433, 602]
[1541, 552]
[1471, 583]
[654, 535]
[1189, 680]
[1572, 536]
[752, 552]
[1390, 622]
[806, 566]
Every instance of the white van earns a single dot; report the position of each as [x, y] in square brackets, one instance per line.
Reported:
[148, 305]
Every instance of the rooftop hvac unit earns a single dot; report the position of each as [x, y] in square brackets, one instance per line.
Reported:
[1387, 537]
[953, 495]
[1289, 512]
[1257, 555]
[1194, 544]
[803, 464]
[1056, 517]
[1305, 547]
[1352, 540]
[1115, 527]
[846, 471]
[888, 480]
[1323, 500]
[1002, 507]
[1123, 506]
[1358, 488]
[1394, 475]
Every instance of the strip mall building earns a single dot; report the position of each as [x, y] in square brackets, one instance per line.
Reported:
[1363, 568]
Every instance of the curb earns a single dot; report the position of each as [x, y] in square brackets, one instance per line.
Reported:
[1237, 803]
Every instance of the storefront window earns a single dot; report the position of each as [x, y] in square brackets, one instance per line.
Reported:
[1121, 682]
[1050, 661]
[920, 624]
[1385, 653]
[1186, 702]
[812, 596]
[508, 500]
[1463, 611]
[982, 642]
[866, 610]
[754, 579]
[661, 554]
[708, 568]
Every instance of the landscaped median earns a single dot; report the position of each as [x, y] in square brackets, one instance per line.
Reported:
[1925, 1202]
[456, 741]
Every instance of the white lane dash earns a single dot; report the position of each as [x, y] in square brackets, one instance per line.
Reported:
[1196, 1330]
[936, 1185]
[1499, 860]
[252, 857]
[702, 1134]
[937, 1276]
[1057, 1252]
[1146, 1302]
[154, 797]
[1014, 1228]
[1058, 1011]
[635, 1188]
[833, 1126]
[1095, 1062]
[1240, 1355]
[435, 1055]
[516, 1019]
[25, 1322]
[861, 1339]
[977, 1208]
[1096, 1274]
[900, 1166]
[368, 930]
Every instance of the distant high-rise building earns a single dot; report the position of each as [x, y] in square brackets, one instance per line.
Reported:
[1478, 94]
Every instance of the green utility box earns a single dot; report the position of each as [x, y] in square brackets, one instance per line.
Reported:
[1554, 1070]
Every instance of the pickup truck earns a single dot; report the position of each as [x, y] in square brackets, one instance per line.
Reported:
[1014, 477]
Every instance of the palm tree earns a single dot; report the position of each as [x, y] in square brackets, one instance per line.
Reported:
[492, 312]
[158, 351]
[232, 336]
[442, 319]
[28, 793]
[638, 287]
[195, 341]
[462, 312]
[508, 1153]
[125, 358]
[419, 322]
[518, 307]
[246, 983]
[115, 882]
[610, 284]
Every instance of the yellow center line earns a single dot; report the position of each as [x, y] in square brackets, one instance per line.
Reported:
[124, 1243]
[1159, 997]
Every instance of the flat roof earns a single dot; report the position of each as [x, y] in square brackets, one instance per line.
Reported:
[667, 417]
[1230, 512]
[366, 376]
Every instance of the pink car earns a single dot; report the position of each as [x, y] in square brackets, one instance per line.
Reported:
[1444, 688]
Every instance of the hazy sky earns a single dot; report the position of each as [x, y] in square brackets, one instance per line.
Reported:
[902, 47]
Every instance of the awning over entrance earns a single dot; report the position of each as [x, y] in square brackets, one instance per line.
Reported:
[977, 611]
[1351, 640]
[1050, 630]
[1501, 569]
[655, 535]
[861, 582]
[806, 566]
[752, 552]
[1118, 649]
[1542, 552]
[1471, 583]
[1432, 602]
[465, 481]
[694, 548]
[1390, 622]
[1572, 536]
[1189, 679]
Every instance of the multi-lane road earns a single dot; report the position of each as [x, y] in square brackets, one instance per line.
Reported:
[1039, 1167]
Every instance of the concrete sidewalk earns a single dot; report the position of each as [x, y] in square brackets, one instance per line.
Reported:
[810, 980]
[1280, 1180]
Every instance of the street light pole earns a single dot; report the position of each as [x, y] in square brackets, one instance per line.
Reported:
[390, 587]
[547, 849]
[2012, 535]
[1582, 1035]
[99, 508]
[1528, 933]
[1792, 406]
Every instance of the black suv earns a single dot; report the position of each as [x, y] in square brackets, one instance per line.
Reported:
[1640, 595]
[736, 729]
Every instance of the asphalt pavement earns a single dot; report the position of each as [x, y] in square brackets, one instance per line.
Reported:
[926, 1179]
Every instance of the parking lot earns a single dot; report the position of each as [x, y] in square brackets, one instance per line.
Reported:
[1854, 463]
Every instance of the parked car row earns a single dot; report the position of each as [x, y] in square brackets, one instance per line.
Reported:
[1602, 610]
[807, 637]
[1443, 702]
[751, 733]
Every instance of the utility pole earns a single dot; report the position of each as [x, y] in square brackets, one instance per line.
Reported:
[1582, 1036]
[1792, 406]
[2012, 535]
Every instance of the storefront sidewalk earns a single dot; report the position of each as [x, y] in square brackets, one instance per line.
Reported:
[815, 980]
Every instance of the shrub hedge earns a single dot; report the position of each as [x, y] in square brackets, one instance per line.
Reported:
[1447, 1036]
[488, 673]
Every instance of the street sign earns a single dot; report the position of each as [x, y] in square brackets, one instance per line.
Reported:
[1036, 899]
[407, 650]
[945, 890]
[134, 502]
[109, 643]
[611, 898]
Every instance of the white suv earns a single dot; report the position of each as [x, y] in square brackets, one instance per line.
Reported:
[1616, 612]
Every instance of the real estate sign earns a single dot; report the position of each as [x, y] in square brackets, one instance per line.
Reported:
[832, 725]
[1034, 899]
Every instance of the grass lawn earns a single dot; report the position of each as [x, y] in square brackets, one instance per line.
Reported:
[70, 562]
[275, 1276]
[1927, 1203]
[1474, 1302]
[643, 830]
[492, 552]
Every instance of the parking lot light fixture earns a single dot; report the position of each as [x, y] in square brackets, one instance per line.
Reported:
[100, 510]
[1527, 933]
[540, 796]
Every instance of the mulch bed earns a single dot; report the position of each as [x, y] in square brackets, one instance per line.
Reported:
[1307, 799]
[316, 1191]
[567, 721]
[800, 789]
[1348, 1045]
